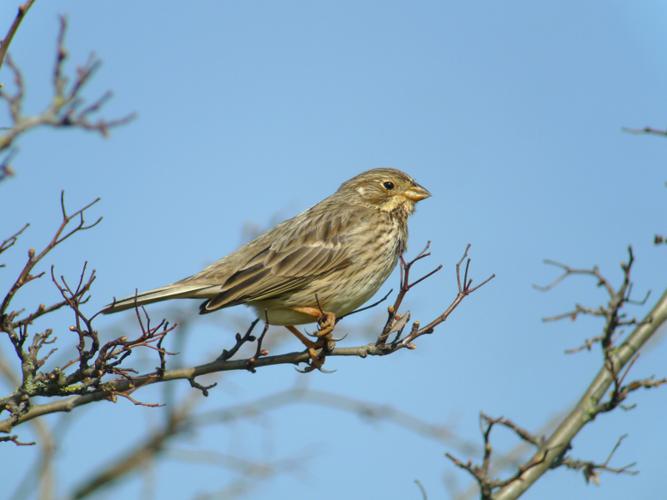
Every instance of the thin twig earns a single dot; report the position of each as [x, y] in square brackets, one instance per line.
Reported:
[9, 37]
[645, 131]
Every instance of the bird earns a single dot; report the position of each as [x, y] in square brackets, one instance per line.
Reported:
[315, 267]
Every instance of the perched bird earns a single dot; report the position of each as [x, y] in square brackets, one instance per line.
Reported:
[323, 263]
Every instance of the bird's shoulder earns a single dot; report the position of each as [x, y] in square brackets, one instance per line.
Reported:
[314, 242]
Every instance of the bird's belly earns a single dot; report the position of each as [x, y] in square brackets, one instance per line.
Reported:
[360, 287]
[340, 293]
[346, 289]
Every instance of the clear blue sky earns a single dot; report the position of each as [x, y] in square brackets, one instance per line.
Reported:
[509, 112]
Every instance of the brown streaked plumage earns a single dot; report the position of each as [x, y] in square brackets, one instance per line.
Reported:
[333, 256]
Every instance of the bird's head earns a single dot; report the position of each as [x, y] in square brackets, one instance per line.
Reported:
[384, 188]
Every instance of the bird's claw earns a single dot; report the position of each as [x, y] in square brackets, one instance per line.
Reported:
[325, 323]
[323, 344]
[339, 338]
[317, 354]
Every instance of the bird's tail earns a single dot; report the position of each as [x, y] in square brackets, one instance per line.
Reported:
[175, 291]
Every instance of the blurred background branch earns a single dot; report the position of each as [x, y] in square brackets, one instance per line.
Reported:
[67, 109]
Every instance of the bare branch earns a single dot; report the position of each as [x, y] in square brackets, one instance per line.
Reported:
[366, 308]
[183, 420]
[396, 322]
[15, 439]
[645, 131]
[606, 392]
[7, 40]
[66, 109]
[591, 470]
[60, 235]
[482, 473]
[11, 241]
[422, 490]
[568, 271]
[611, 375]
[611, 312]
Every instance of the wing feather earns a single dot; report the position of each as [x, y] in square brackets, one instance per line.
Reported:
[291, 259]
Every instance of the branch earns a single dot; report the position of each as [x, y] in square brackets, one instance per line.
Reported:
[67, 108]
[252, 473]
[140, 453]
[645, 131]
[95, 362]
[85, 378]
[611, 312]
[7, 41]
[15, 439]
[396, 322]
[482, 473]
[607, 391]
[183, 420]
[129, 385]
[590, 403]
[591, 470]
[63, 232]
[11, 241]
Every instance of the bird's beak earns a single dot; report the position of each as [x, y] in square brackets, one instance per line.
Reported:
[417, 193]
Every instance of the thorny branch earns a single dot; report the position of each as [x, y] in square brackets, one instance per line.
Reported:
[482, 473]
[608, 390]
[591, 470]
[488, 485]
[613, 314]
[95, 361]
[67, 109]
[85, 378]
[396, 322]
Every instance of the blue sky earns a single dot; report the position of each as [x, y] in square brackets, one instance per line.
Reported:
[510, 113]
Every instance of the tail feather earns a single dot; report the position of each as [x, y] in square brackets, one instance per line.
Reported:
[174, 291]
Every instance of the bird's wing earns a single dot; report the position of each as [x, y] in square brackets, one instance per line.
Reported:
[295, 253]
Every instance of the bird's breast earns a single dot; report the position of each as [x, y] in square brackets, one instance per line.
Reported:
[375, 260]
[375, 245]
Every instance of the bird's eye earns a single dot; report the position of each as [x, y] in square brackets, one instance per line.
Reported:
[388, 185]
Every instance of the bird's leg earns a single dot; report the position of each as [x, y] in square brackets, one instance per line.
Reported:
[326, 321]
[304, 340]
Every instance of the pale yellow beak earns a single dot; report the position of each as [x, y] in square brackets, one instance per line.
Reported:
[416, 193]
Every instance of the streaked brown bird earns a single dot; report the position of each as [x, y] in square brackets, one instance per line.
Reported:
[319, 265]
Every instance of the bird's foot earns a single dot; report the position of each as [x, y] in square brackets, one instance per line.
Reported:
[325, 325]
[324, 341]
[317, 350]
[317, 354]
[316, 360]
